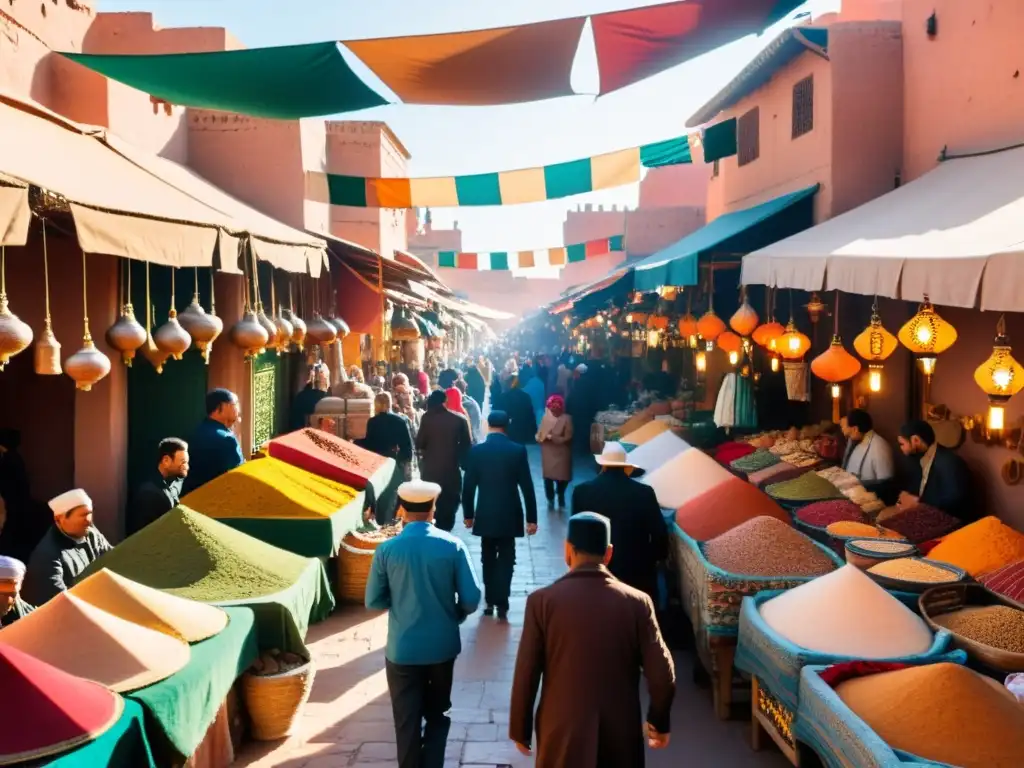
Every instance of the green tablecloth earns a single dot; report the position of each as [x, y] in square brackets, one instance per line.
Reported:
[123, 746]
[180, 709]
[283, 618]
[317, 537]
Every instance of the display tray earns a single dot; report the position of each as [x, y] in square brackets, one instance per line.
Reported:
[948, 598]
[919, 587]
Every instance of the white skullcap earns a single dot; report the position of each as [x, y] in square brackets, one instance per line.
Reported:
[11, 569]
[581, 368]
[61, 505]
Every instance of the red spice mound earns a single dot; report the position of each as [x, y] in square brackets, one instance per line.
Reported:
[727, 453]
[328, 456]
[823, 513]
[725, 506]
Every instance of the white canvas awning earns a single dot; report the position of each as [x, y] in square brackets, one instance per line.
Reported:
[955, 234]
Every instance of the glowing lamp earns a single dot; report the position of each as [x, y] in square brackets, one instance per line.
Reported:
[875, 378]
[734, 357]
[710, 326]
[745, 320]
[996, 417]
[926, 334]
[729, 342]
[793, 345]
[875, 343]
[835, 391]
[835, 364]
[927, 364]
[701, 361]
[653, 338]
[709, 346]
[815, 308]
[693, 341]
[765, 334]
[688, 325]
[775, 364]
[1000, 377]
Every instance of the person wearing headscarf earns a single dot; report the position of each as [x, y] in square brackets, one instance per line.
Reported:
[12, 607]
[402, 394]
[443, 442]
[316, 389]
[473, 411]
[497, 394]
[453, 401]
[581, 405]
[589, 638]
[555, 439]
[522, 416]
[67, 549]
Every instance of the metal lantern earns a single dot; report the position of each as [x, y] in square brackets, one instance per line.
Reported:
[15, 335]
[1000, 377]
[88, 365]
[875, 344]
[202, 327]
[320, 331]
[47, 348]
[927, 335]
[793, 345]
[249, 335]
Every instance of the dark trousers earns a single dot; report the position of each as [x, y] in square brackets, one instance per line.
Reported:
[550, 486]
[421, 698]
[447, 505]
[499, 561]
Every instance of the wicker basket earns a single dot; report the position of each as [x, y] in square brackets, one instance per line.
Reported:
[275, 702]
[356, 541]
[946, 599]
[353, 572]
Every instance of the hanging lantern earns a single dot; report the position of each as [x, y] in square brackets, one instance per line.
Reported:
[875, 344]
[1000, 377]
[688, 325]
[15, 336]
[284, 333]
[766, 333]
[47, 348]
[249, 335]
[202, 327]
[835, 364]
[815, 308]
[171, 337]
[927, 335]
[653, 338]
[267, 325]
[341, 326]
[320, 332]
[745, 320]
[710, 326]
[775, 364]
[701, 361]
[734, 357]
[126, 335]
[729, 342]
[403, 327]
[88, 365]
[793, 345]
[298, 328]
[874, 377]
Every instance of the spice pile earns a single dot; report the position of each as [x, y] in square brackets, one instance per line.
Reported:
[882, 547]
[684, 477]
[1008, 581]
[193, 556]
[756, 461]
[269, 489]
[776, 473]
[328, 456]
[727, 453]
[920, 523]
[998, 626]
[941, 712]
[913, 569]
[844, 529]
[723, 508]
[847, 614]
[647, 432]
[657, 451]
[808, 487]
[981, 547]
[766, 546]
[821, 514]
[276, 662]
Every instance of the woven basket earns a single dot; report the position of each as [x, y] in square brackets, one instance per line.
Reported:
[275, 702]
[945, 599]
[354, 540]
[353, 572]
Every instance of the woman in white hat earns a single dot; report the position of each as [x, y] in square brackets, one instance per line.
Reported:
[67, 549]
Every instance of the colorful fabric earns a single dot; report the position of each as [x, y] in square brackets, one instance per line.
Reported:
[719, 140]
[124, 746]
[505, 260]
[525, 185]
[840, 673]
[282, 82]
[329, 456]
[1007, 581]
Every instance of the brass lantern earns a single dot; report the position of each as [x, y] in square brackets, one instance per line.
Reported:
[15, 335]
[88, 365]
[875, 344]
[793, 345]
[927, 335]
[1000, 377]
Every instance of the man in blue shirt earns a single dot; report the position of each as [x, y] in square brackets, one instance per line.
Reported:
[214, 448]
[424, 579]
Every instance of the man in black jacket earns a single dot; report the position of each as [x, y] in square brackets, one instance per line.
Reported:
[443, 442]
[500, 470]
[938, 476]
[639, 535]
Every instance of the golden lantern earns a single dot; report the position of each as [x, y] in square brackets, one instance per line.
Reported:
[653, 337]
[875, 344]
[815, 308]
[766, 333]
[171, 337]
[927, 335]
[793, 345]
[15, 335]
[249, 335]
[1000, 377]
[46, 355]
[701, 361]
[745, 319]
[710, 326]
[202, 327]
[734, 357]
[88, 365]
[692, 341]
[729, 342]
[775, 363]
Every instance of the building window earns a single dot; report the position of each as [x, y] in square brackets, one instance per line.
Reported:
[747, 137]
[714, 170]
[803, 107]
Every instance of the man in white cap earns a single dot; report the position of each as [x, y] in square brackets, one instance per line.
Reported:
[12, 607]
[67, 549]
[424, 579]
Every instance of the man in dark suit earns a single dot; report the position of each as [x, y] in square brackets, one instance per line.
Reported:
[500, 470]
[938, 476]
[443, 442]
[639, 535]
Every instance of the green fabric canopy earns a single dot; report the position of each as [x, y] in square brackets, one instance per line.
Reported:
[738, 232]
[284, 82]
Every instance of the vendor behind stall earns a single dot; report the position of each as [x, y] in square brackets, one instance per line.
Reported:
[12, 607]
[868, 455]
[304, 404]
[938, 477]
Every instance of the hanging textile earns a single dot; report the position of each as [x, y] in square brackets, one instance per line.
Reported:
[798, 382]
[725, 405]
[719, 140]
[558, 256]
[634, 44]
[745, 416]
[284, 82]
[509, 65]
[526, 185]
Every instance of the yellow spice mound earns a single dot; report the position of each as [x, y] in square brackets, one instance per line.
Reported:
[941, 712]
[981, 547]
[269, 488]
[848, 528]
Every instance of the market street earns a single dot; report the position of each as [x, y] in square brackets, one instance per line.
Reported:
[348, 719]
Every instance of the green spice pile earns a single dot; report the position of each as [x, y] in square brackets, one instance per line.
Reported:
[193, 556]
[756, 461]
[808, 487]
[766, 546]
[998, 626]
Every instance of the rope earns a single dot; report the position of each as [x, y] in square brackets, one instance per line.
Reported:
[46, 272]
[85, 301]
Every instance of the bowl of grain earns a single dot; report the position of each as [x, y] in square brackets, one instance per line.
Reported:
[865, 553]
[983, 624]
[914, 574]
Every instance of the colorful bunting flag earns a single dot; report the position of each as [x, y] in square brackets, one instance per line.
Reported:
[526, 185]
[495, 261]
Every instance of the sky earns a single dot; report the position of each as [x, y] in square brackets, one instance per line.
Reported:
[447, 141]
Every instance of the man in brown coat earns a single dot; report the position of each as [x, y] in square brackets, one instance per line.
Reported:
[590, 636]
[443, 442]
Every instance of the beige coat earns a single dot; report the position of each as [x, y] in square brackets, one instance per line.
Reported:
[555, 438]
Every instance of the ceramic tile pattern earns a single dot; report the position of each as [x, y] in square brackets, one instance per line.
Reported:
[348, 719]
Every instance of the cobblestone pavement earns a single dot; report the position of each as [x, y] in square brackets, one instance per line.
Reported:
[347, 721]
